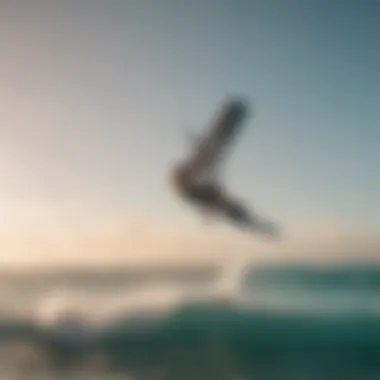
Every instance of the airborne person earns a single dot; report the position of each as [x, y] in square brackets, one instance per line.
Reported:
[196, 177]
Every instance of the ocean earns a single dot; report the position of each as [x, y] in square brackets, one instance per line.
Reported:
[283, 321]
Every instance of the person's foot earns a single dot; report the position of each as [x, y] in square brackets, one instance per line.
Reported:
[271, 229]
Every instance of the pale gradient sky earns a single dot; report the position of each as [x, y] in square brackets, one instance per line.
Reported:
[96, 94]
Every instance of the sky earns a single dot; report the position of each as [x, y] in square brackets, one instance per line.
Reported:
[96, 96]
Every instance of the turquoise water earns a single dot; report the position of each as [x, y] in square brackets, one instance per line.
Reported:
[284, 322]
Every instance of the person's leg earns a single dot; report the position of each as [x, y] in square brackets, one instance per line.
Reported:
[237, 212]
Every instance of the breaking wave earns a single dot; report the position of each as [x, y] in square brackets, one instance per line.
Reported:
[269, 322]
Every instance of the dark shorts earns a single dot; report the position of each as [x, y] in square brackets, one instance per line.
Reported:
[206, 194]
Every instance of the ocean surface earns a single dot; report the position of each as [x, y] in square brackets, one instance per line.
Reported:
[292, 321]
